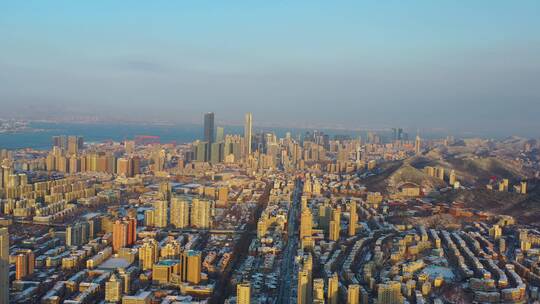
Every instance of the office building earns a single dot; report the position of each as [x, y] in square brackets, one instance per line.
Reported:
[209, 127]
[209, 136]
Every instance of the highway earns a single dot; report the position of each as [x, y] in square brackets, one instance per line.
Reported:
[289, 253]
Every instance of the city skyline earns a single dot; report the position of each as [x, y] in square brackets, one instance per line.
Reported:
[272, 152]
[341, 65]
[262, 217]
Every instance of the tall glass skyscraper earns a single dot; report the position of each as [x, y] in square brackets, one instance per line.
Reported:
[209, 136]
[209, 127]
[248, 125]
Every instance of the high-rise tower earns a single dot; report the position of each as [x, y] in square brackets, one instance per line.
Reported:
[418, 145]
[209, 127]
[4, 265]
[353, 219]
[209, 136]
[179, 212]
[333, 285]
[243, 293]
[248, 127]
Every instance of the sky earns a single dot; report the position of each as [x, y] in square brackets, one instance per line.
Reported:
[450, 65]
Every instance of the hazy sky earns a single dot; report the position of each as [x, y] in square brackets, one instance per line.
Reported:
[418, 64]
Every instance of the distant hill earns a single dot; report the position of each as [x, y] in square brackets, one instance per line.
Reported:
[525, 208]
[478, 171]
[475, 162]
[394, 174]
[471, 170]
[379, 182]
[408, 174]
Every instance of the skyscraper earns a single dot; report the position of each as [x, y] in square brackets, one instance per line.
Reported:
[74, 144]
[306, 223]
[131, 231]
[248, 127]
[335, 224]
[59, 141]
[4, 265]
[209, 136]
[353, 218]
[220, 134]
[209, 127]
[159, 157]
[120, 235]
[243, 293]
[216, 154]
[124, 233]
[202, 149]
[418, 145]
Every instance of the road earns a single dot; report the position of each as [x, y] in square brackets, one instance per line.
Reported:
[284, 295]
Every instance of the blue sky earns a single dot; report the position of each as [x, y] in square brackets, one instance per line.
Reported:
[418, 64]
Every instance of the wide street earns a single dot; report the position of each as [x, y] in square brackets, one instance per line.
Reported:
[289, 253]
